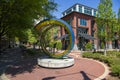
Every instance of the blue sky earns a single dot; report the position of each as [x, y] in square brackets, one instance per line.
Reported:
[65, 4]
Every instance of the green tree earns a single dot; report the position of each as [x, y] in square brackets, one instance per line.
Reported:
[50, 36]
[88, 46]
[118, 22]
[31, 36]
[19, 15]
[102, 45]
[119, 15]
[105, 19]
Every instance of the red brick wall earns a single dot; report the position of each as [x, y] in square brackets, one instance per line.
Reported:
[76, 17]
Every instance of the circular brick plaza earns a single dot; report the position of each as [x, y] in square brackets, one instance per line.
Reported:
[83, 69]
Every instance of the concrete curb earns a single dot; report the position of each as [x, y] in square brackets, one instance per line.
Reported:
[106, 72]
[3, 77]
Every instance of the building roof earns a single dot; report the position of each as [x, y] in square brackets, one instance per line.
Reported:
[80, 5]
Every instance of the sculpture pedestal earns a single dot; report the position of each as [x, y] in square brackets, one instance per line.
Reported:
[55, 63]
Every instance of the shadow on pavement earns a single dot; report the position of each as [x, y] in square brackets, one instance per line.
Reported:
[21, 67]
[85, 77]
[48, 78]
[12, 62]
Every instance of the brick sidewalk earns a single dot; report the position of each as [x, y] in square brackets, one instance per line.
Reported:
[83, 69]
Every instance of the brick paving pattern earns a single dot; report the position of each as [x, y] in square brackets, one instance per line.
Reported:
[16, 68]
[83, 69]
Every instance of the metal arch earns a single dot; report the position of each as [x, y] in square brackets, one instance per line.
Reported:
[42, 25]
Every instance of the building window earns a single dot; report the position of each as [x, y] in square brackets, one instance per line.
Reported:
[87, 11]
[63, 14]
[83, 22]
[68, 11]
[94, 13]
[80, 9]
[69, 21]
[74, 8]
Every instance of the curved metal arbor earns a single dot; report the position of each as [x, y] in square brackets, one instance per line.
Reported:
[46, 25]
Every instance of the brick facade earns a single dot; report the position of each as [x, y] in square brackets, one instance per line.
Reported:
[82, 20]
[74, 18]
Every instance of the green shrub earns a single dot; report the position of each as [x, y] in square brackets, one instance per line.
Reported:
[116, 61]
[116, 70]
[118, 55]
[102, 45]
[96, 56]
[87, 55]
[99, 57]
[88, 46]
[51, 44]
[59, 44]
[107, 60]
[113, 54]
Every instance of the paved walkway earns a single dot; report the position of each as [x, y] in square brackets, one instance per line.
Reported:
[83, 69]
[9, 57]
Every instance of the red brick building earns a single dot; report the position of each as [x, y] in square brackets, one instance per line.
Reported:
[82, 20]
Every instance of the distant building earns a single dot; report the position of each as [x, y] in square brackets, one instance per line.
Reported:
[82, 20]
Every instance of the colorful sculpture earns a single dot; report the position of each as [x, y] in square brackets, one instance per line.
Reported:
[46, 25]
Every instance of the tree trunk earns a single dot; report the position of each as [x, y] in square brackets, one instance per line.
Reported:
[39, 46]
[105, 49]
[0, 45]
[9, 43]
[34, 46]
